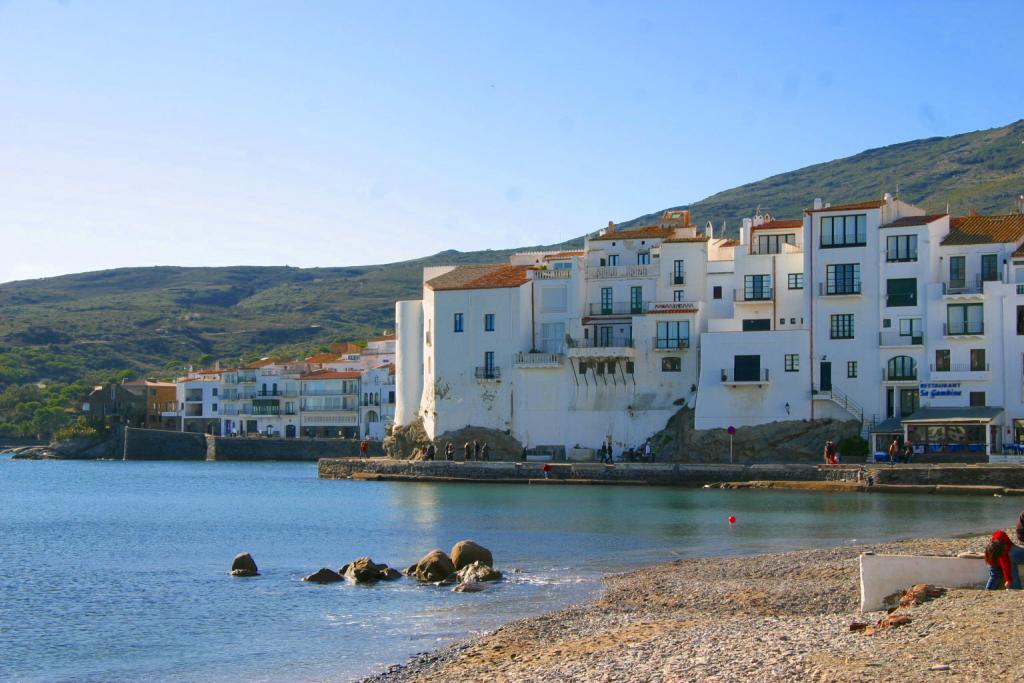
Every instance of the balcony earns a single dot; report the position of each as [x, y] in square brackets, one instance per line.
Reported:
[247, 379]
[607, 347]
[964, 329]
[840, 289]
[487, 372]
[552, 274]
[330, 418]
[968, 287]
[670, 344]
[619, 308]
[752, 296]
[672, 306]
[679, 278]
[751, 378]
[953, 372]
[893, 338]
[538, 360]
[645, 270]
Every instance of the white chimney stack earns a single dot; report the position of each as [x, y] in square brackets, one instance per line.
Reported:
[710, 230]
[745, 230]
[817, 202]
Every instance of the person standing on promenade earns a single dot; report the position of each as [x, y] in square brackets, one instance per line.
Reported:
[647, 450]
[476, 449]
[894, 450]
[364, 448]
[546, 469]
[467, 449]
[485, 451]
[449, 451]
[1001, 556]
[431, 451]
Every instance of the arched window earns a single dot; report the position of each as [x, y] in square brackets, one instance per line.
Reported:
[371, 416]
[902, 367]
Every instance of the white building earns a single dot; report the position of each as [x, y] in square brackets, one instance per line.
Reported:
[912, 324]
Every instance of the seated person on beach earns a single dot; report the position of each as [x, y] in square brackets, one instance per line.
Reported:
[1002, 556]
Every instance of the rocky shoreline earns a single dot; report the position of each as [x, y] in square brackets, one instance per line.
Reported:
[774, 617]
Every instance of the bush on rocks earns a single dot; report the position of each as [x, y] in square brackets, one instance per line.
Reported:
[244, 565]
[323, 575]
[465, 553]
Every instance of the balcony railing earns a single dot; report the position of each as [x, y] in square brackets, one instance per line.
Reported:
[762, 294]
[487, 372]
[960, 367]
[968, 285]
[670, 344]
[619, 308]
[552, 274]
[899, 375]
[602, 343]
[970, 327]
[892, 338]
[730, 376]
[679, 278]
[842, 289]
[671, 306]
[538, 360]
[622, 272]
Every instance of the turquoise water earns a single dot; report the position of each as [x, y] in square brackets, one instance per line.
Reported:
[117, 570]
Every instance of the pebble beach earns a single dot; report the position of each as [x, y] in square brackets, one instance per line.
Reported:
[773, 617]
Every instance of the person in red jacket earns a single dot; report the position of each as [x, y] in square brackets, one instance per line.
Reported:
[1002, 556]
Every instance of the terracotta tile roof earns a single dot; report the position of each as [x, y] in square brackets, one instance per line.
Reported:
[908, 221]
[328, 374]
[646, 232]
[562, 255]
[345, 347]
[985, 229]
[779, 225]
[261, 363]
[876, 204]
[385, 337]
[494, 276]
[322, 358]
[390, 367]
[677, 240]
[730, 243]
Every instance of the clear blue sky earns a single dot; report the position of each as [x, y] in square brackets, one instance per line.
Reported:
[302, 133]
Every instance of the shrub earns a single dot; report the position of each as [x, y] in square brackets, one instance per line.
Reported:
[853, 447]
[79, 429]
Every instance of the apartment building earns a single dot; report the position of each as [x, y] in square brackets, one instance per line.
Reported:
[912, 324]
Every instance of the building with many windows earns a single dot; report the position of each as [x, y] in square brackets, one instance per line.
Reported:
[912, 324]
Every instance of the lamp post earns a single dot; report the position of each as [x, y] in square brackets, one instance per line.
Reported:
[731, 430]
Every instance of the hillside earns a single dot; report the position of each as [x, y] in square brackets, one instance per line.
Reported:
[156, 320]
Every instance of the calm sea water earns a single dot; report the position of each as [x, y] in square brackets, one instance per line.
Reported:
[117, 570]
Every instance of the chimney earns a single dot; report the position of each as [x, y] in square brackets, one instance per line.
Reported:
[1020, 204]
[817, 203]
[610, 228]
[745, 230]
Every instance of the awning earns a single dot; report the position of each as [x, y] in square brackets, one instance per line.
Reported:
[891, 426]
[964, 415]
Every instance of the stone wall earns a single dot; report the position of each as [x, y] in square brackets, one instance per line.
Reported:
[1009, 476]
[155, 444]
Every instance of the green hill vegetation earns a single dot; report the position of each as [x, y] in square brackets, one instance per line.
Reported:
[68, 332]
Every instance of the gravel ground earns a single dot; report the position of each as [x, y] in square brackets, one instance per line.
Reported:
[776, 617]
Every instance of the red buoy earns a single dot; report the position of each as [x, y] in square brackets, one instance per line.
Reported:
[732, 519]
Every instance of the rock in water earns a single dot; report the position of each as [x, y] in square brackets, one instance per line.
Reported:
[365, 570]
[465, 553]
[435, 566]
[244, 565]
[469, 587]
[478, 572]
[323, 575]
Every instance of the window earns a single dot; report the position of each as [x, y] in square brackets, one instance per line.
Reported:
[965, 319]
[841, 326]
[671, 364]
[552, 337]
[901, 368]
[214, 391]
[630, 367]
[488, 322]
[989, 267]
[678, 295]
[757, 287]
[792, 362]
[957, 271]
[1020, 320]
[214, 406]
[796, 280]
[553, 299]
[851, 369]
[716, 292]
[942, 360]
[844, 231]
[757, 325]
[782, 321]
[901, 292]
[772, 244]
[606, 301]
[643, 258]
[391, 397]
[489, 360]
[978, 360]
[911, 327]
[678, 275]
[613, 259]
[746, 369]
[977, 398]
[901, 248]
[636, 303]
[583, 367]
[599, 368]
[842, 278]
[458, 322]
[673, 334]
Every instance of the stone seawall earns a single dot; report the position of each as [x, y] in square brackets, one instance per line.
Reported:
[668, 474]
[156, 444]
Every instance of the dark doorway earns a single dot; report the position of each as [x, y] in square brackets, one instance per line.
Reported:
[826, 375]
[289, 431]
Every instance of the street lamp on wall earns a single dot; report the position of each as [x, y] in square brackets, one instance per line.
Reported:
[787, 408]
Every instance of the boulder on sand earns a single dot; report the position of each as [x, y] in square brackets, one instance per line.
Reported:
[323, 575]
[478, 572]
[465, 553]
[244, 565]
[365, 570]
[433, 567]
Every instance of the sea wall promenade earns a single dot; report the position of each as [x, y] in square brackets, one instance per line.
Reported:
[154, 444]
[949, 478]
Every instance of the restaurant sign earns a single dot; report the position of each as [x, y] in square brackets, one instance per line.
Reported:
[937, 389]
